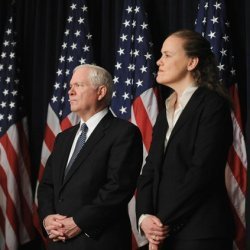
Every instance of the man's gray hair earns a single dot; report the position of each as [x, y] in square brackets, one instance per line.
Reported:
[99, 76]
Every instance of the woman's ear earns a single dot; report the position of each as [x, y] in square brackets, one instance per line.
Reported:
[193, 61]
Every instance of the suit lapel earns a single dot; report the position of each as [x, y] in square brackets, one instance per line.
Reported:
[162, 130]
[66, 150]
[188, 112]
[94, 138]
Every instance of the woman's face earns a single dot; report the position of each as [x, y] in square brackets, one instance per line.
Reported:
[174, 63]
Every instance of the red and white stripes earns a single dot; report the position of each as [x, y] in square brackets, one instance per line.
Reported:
[143, 114]
[15, 188]
[236, 172]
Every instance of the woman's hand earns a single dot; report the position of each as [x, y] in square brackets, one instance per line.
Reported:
[154, 230]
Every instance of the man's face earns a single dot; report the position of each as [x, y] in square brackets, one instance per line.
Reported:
[83, 95]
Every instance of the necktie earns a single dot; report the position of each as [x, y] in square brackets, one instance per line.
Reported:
[79, 144]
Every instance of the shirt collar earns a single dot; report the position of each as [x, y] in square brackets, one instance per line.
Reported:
[184, 98]
[95, 119]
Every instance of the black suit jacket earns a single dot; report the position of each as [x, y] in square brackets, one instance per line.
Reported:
[185, 185]
[98, 187]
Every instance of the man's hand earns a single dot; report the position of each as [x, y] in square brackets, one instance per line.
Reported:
[154, 230]
[54, 227]
[70, 229]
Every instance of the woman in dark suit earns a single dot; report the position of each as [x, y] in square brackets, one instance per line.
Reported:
[182, 201]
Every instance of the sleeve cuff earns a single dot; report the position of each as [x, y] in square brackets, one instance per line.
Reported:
[142, 217]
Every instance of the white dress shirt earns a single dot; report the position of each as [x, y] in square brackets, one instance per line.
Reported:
[91, 123]
[173, 113]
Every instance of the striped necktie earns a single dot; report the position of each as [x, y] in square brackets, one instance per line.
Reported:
[79, 144]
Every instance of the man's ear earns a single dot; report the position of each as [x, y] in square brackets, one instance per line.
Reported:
[193, 61]
[101, 92]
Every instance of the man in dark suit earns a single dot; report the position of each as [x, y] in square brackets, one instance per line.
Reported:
[182, 201]
[85, 190]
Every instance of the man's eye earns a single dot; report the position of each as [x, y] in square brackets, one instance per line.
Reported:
[76, 85]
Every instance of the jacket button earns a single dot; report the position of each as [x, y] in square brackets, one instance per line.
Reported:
[61, 200]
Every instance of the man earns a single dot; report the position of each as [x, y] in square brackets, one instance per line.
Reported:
[83, 196]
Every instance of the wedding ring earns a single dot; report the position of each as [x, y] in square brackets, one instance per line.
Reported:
[154, 237]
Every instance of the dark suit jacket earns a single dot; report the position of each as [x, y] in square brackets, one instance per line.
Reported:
[185, 185]
[98, 187]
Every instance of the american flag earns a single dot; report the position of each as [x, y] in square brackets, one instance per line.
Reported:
[212, 23]
[16, 226]
[76, 49]
[134, 97]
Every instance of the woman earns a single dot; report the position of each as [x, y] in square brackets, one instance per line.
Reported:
[182, 202]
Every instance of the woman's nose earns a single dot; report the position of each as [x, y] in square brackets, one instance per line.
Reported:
[158, 63]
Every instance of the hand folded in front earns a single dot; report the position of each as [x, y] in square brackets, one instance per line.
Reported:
[60, 228]
[154, 230]
[70, 229]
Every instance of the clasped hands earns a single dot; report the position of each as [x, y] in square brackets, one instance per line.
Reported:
[155, 231]
[60, 227]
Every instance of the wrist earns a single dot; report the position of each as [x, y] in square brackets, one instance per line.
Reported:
[141, 219]
[44, 224]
